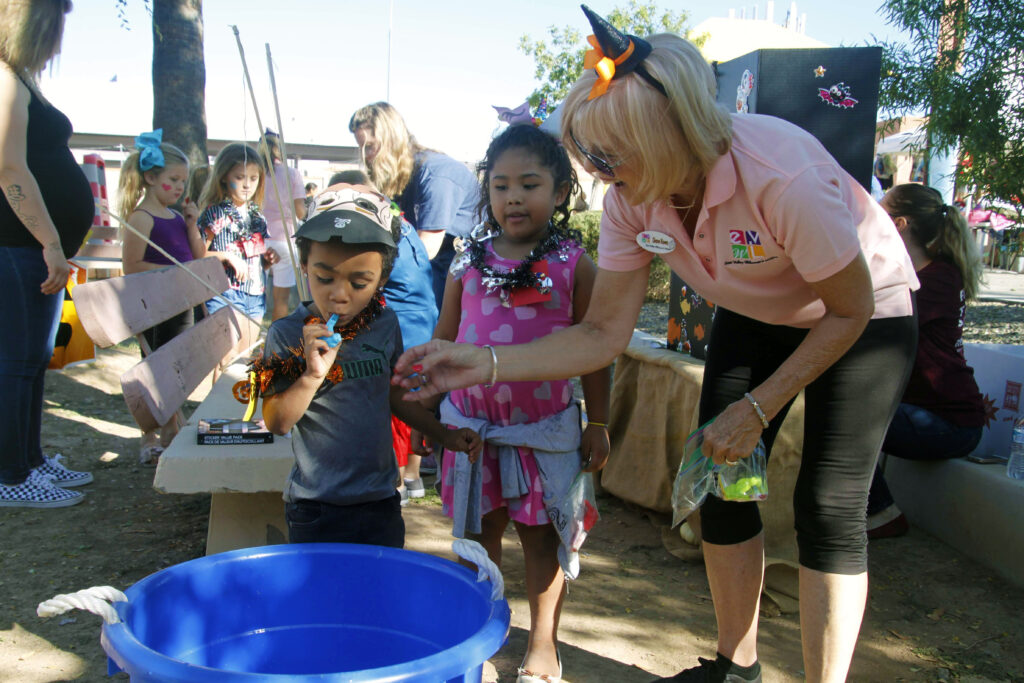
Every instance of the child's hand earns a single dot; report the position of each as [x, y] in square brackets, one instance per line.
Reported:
[420, 445]
[594, 448]
[190, 212]
[236, 264]
[319, 354]
[270, 257]
[464, 440]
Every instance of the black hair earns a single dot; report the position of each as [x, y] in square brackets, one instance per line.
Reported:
[352, 176]
[549, 153]
[310, 187]
[387, 254]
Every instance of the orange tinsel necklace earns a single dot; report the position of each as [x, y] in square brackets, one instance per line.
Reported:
[264, 368]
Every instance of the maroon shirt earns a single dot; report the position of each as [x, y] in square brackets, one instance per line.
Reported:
[941, 380]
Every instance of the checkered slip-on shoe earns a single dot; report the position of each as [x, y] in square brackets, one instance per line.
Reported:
[61, 475]
[38, 491]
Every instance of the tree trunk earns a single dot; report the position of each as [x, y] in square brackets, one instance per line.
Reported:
[179, 76]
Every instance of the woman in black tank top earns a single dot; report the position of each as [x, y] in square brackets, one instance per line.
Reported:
[46, 210]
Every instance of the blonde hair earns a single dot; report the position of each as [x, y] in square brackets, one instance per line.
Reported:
[392, 168]
[31, 33]
[132, 184]
[939, 228]
[196, 182]
[676, 139]
[232, 155]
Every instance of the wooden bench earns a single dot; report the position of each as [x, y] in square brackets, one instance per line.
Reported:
[246, 481]
[155, 389]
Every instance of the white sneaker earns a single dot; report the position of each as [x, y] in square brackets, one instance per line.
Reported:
[415, 487]
[61, 475]
[38, 491]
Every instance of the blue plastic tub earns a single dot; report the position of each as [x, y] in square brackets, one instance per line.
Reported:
[309, 612]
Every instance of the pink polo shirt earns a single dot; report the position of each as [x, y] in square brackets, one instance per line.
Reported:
[778, 213]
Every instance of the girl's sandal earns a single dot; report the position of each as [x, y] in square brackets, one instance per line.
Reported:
[150, 455]
[526, 676]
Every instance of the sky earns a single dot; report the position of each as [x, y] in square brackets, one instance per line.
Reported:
[450, 60]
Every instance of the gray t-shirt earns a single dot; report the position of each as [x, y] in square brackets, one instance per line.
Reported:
[342, 444]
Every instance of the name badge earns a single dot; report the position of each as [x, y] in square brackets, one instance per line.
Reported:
[655, 242]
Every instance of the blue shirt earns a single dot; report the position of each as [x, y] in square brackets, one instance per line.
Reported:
[441, 195]
[409, 290]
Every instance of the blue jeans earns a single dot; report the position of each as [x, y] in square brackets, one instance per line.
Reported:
[253, 305]
[378, 522]
[919, 434]
[30, 321]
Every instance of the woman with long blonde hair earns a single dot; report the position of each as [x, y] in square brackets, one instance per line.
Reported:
[437, 194]
[46, 211]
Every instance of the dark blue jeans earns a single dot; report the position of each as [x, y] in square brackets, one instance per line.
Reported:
[378, 522]
[919, 434]
[30, 319]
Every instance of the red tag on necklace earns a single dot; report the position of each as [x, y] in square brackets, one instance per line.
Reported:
[536, 294]
[252, 245]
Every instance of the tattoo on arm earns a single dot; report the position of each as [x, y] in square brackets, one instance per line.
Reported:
[15, 197]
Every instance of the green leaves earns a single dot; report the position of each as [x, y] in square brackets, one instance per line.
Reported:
[964, 65]
[559, 58]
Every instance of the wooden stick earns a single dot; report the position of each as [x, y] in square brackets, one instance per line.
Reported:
[259, 122]
[299, 280]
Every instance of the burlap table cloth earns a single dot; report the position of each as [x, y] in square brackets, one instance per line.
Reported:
[654, 403]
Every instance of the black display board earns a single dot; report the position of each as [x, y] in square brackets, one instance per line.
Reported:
[832, 93]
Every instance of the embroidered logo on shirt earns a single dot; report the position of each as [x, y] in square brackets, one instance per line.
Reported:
[655, 242]
[746, 248]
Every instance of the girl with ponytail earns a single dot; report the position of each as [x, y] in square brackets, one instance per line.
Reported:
[941, 414]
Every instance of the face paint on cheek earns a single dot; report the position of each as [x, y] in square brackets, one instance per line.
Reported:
[166, 187]
[232, 186]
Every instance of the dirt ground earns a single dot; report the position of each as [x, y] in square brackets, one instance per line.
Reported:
[636, 611]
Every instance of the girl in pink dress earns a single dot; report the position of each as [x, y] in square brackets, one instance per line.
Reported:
[526, 277]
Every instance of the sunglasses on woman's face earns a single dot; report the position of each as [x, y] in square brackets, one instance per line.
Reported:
[602, 165]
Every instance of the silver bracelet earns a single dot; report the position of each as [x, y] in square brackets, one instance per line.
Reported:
[757, 409]
[494, 365]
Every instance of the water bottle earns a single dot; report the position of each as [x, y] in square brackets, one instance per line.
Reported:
[1015, 466]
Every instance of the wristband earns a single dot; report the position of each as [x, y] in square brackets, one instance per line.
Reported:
[757, 409]
[494, 366]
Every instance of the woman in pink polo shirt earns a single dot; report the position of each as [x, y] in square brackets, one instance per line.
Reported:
[814, 293]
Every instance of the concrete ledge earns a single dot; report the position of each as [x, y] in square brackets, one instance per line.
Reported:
[975, 508]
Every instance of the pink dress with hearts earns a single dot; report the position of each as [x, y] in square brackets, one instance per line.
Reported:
[486, 321]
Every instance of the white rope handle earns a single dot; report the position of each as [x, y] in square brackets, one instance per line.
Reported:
[96, 600]
[471, 551]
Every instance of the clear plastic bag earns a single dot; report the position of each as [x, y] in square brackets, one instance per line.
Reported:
[575, 513]
[698, 476]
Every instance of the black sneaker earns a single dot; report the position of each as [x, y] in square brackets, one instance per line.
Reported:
[708, 671]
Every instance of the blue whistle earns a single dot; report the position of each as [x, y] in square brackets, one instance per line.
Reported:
[333, 339]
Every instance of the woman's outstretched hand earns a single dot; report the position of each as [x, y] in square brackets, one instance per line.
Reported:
[439, 366]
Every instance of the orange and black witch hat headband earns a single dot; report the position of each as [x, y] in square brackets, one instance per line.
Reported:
[615, 54]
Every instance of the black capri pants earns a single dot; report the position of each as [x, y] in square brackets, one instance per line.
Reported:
[847, 411]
